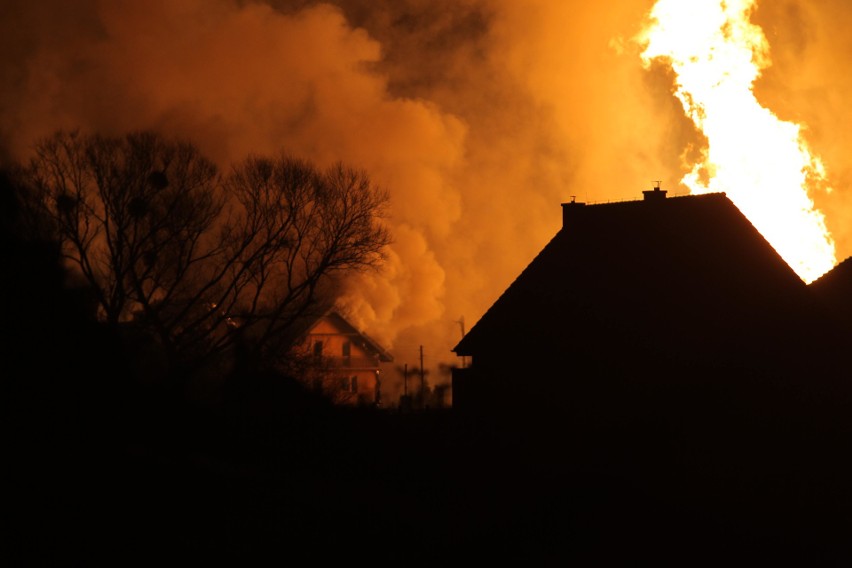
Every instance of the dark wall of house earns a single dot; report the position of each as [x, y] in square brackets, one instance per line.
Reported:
[669, 348]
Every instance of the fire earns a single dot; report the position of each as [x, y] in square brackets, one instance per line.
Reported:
[761, 163]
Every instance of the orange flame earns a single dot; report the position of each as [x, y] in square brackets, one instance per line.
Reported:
[759, 161]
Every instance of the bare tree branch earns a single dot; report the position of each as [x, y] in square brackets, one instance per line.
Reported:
[167, 243]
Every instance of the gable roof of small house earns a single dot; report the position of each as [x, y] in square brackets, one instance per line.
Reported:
[686, 270]
[353, 333]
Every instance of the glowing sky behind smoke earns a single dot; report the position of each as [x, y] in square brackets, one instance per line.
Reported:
[479, 116]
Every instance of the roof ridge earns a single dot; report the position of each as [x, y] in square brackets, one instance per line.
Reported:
[670, 196]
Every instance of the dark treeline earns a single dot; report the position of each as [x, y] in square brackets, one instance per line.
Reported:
[205, 266]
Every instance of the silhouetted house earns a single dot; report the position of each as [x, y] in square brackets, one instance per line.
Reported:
[633, 299]
[834, 291]
[346, 361]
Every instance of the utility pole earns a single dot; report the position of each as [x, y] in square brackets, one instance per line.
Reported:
[460, 321]
[422, 380]
[405, 381]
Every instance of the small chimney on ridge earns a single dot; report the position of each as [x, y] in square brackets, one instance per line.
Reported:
[571, 210]
[655, 194]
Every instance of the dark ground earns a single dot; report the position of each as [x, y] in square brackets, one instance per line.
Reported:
[162, 485]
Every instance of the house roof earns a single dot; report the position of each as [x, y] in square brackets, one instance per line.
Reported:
[347, 328]
[683, 269]
[834, 289]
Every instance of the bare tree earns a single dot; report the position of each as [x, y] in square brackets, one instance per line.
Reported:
[294, 230]
[201, 261]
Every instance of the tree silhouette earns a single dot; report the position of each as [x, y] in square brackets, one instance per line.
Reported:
[188, 255]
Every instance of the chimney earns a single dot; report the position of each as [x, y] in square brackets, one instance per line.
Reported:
[655, 194]
[571, 210]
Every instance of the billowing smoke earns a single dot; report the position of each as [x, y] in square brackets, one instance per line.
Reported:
[478, 116]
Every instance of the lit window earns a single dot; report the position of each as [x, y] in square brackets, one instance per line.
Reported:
[347, 354]
[348, 384]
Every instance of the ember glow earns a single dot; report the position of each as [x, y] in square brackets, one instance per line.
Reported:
[761, 163]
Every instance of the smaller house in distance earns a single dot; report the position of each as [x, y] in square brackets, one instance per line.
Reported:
[346, 362]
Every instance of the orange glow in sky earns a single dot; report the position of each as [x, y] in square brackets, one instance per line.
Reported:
[761, 163]
[479, 117]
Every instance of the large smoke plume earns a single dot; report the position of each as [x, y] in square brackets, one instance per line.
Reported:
[479, 116]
